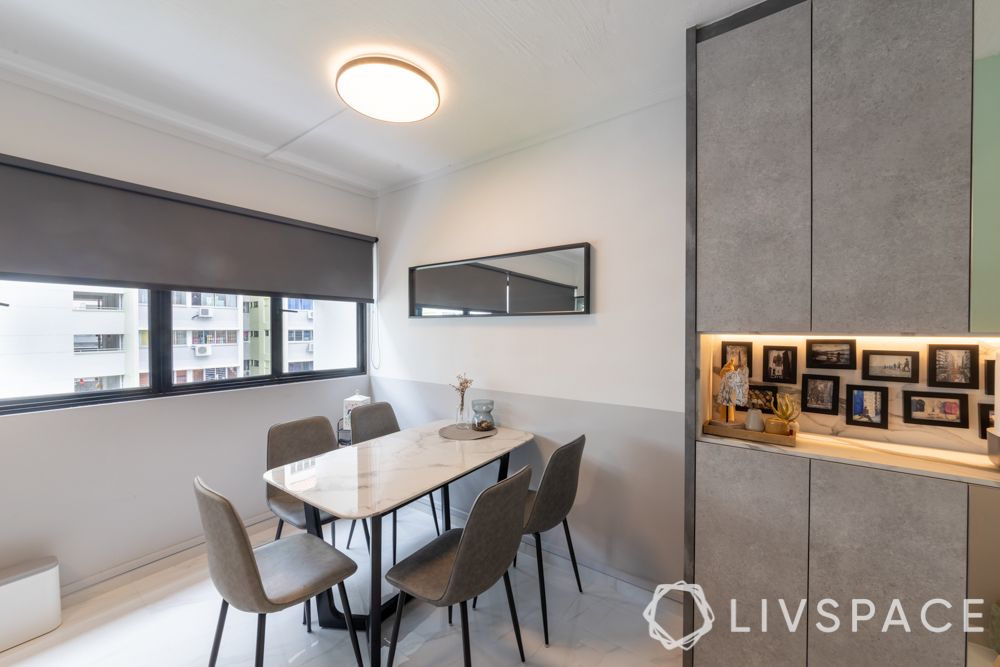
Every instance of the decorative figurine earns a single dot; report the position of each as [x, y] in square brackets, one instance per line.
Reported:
[734, 387]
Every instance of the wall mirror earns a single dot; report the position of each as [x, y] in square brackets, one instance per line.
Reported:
[547, 281]
[985, 298]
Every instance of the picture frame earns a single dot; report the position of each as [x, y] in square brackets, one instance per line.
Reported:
[987, 418]
[832, 354]
[867, 405]
[760, 396]
[890, 366]
[953, 366]
[991, 374]
[820, 394]
[932, 408]
[743, 350]
[781, 364]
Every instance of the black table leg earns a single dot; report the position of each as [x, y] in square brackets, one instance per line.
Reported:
[504, 466]
[375, 596]
[446, 506]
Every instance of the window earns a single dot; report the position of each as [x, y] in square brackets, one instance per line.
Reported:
[179, 298]
[238, 335]
[143, 338]
[100, 383]
[97, 342]
[61, 339]
[322, 336]
[144, 297]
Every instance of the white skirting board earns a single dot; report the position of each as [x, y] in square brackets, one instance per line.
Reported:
[30, 604]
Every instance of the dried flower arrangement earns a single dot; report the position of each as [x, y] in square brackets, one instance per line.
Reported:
[464, 382]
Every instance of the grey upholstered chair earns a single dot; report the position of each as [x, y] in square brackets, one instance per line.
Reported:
[271, 578]
[545, 508]
[374, 421]
[464, 562]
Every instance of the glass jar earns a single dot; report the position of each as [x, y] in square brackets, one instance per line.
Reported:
[482, 415]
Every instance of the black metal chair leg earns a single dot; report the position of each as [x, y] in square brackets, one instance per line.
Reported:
[277, 533]
[515, 557]
[309, 616]
[466, 649]
[541, 586]
[349, 620]
[572, 555]
[261, 622]
[434, 513]
[218, 634]
[350, 535]
[513, 614]
[333, 533]
[449, 614]
[394, 537]
[474, 601]
[368, 537]
[395, 628]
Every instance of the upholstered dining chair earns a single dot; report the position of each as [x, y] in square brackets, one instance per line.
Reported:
[374, 421]
[465, 562]
[549, 506]
[271, 578]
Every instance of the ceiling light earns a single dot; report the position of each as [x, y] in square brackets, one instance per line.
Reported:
[387, 89]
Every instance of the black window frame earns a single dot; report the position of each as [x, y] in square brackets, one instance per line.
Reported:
[160, 307]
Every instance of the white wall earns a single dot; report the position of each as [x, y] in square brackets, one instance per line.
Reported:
[103, 486]
[620, 186]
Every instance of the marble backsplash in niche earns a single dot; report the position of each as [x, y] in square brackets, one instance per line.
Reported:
[958, 439]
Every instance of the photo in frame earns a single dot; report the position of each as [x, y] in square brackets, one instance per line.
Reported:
[835, 354]
[867, 406]
[741, 352]
[760, 397]
[820, 394]
[987, 418]
[931, 408]
[781, 364]
[953, 366]
[890, 366]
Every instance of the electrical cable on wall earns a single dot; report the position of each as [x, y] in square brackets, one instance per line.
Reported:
[374, 337]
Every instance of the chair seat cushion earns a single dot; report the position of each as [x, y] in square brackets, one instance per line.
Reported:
[298, 567]
[291, 510]
[425, 573]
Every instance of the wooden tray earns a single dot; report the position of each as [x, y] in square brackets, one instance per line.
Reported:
[741, 433]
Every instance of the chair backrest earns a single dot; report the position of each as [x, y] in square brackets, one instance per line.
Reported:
[490, 538]
[296, 440]
[231, 562]
[372, 421]
[557, 490]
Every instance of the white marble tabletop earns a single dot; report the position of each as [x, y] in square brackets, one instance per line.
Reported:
[380, 475]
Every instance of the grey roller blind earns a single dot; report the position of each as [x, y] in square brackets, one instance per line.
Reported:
[59, 223]
[533, 295]
[462, 286]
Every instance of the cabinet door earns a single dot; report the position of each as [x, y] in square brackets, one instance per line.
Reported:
[751, 543]
[879, 536]
[892, 97]
[753, 176]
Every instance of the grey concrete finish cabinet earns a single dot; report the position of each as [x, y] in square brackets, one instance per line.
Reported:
[751, 540]
[892, 124]
[880, 535]
[753, 171]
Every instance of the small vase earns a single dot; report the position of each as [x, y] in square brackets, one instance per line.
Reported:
[461, 416]
[482, 415]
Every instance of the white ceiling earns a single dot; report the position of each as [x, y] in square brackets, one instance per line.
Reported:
[254, 76]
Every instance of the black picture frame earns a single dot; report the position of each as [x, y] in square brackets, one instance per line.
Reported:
[932, 366]
[849, 406]
[990, 379]
[908, 414]
[984, 418]
[814, 361]
[867, 374]
[746, 345]
[790, 364]
[759, 401]
[807, 380]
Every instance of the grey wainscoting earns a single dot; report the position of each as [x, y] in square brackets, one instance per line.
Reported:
[752, 542]
[880, 535]
[754, 258]
[892, 94]
[629, 514]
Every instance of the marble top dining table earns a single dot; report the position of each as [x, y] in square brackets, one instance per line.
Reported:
[375, 477]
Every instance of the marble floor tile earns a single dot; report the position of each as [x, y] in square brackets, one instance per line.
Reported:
[165, 616]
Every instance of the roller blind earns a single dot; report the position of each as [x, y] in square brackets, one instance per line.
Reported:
[462, 286]
[534, 295]
[60, 223]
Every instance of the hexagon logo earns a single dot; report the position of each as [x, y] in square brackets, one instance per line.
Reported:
[688, 641]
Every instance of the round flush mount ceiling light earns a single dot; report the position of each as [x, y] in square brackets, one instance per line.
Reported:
[387, 88]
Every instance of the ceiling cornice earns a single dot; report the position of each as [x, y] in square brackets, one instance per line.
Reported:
[28, 73]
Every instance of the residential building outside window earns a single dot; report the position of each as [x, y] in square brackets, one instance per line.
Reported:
[300, 366]
[98, 342]
[101, 383]
[319, 335]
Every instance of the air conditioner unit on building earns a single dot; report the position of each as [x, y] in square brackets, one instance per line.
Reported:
[202, 350]
[310, 314]
[309, 347]
[204, 312]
